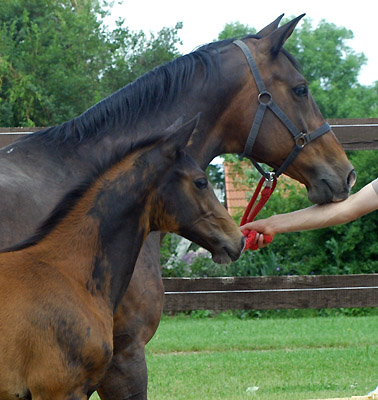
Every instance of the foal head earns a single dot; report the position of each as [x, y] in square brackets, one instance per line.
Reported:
[184, 201]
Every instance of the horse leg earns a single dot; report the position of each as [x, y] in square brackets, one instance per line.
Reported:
[135, 323]
[127, 376]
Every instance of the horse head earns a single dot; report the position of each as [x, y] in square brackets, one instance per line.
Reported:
[321, 165]
[185, 203]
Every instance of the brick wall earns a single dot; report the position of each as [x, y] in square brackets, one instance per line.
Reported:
[236, 193]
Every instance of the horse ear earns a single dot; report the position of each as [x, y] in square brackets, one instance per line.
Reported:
[277, 38]
[180, 137]
[173, 127]
[270, 28]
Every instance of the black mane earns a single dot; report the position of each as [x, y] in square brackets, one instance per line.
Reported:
[71, 198]
[144, 96]
[157, 88]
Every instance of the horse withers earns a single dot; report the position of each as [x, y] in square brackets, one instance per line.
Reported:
[60, 288]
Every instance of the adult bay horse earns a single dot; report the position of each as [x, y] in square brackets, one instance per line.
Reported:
[215, 80]
[60, 288]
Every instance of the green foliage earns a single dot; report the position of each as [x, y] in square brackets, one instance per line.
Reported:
[51, 57]
[235, 29]
[346, 249]
[57, 58]
[215, 173]
[134, 54]
[331, 68]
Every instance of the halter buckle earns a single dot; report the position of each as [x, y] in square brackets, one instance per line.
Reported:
[301, 139]
[269, 178]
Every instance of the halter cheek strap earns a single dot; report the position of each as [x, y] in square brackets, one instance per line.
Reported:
[301, 139]
[265, 101]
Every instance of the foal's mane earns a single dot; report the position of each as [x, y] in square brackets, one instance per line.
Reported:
[71, 198]
[157, 88]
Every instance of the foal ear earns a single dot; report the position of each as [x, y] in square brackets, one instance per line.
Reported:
[179, 139]
[270, 28]
[173, 127]
[277, 38]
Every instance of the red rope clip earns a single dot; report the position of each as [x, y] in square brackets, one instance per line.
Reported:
[251, 211]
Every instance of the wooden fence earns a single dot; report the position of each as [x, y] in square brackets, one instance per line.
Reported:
[274, 292]
[271, 292]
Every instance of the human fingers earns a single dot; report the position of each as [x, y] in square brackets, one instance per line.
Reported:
[260, 241]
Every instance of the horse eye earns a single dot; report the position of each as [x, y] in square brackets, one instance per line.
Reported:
[201, 183]
[301, 90]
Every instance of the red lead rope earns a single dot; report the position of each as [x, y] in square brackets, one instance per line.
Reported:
[251, 212]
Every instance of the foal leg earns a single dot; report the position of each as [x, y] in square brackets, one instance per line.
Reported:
[135, 323]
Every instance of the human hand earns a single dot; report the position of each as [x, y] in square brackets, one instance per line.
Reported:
[260, 237]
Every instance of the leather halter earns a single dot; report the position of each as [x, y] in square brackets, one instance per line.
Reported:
[265, 101]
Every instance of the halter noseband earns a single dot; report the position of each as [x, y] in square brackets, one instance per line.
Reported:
[265, 101]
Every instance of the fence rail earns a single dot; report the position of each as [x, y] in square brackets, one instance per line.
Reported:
[356, 134]
[353, 134]
[271, 292]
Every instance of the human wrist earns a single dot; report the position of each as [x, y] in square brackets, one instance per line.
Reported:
[272, 225]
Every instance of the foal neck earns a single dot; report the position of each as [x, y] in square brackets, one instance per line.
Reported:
[98, 241]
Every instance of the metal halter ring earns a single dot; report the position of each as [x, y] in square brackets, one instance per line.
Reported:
[301, 140]
[261, 98]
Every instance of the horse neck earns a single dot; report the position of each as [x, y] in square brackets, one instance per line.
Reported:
[202, 96]
[207, 92]
[97, 244]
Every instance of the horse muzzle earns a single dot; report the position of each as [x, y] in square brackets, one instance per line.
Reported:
[229, 253]
[330, 189]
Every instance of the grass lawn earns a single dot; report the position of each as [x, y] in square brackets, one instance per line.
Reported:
[228, 358]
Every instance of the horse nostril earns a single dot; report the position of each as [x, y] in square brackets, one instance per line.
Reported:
[352, 177]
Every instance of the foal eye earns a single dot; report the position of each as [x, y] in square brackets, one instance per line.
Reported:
[201, 183]
[301, 90]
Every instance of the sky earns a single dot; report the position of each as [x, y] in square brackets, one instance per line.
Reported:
[203, 20]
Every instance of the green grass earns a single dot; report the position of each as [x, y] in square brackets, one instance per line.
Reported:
[222, 357]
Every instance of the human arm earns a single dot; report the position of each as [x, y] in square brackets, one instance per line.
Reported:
[319, 216]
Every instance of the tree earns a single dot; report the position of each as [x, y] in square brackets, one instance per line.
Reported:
[57, 58]
[52, 54]
[332, 68]
[133, 54]
[235, 29]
